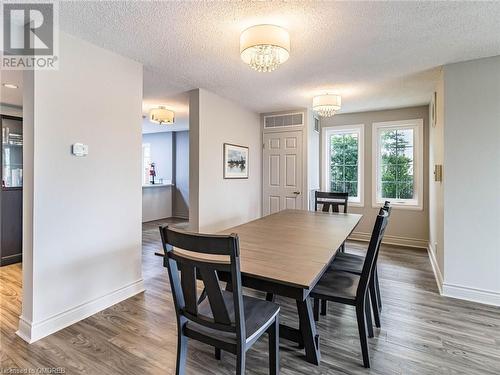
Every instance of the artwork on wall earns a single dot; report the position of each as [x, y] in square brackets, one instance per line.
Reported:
[433, 110]
[235, 161]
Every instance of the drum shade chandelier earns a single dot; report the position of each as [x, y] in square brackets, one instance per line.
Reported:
[326, 105]
[161, 115]
[265, 47]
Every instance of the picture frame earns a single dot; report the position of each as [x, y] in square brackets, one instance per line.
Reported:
[235, 161]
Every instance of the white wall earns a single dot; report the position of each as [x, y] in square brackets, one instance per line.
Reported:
[82, 233]
[472, 180]
[436, 198]
[180, 196]
[221, 203]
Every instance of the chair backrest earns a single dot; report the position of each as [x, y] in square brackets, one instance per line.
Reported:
[203, 256]
[372, 252]
[330, 199]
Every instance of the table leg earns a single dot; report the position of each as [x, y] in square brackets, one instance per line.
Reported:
[307, 325]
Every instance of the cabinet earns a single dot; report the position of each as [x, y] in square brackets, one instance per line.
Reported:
[11, 195]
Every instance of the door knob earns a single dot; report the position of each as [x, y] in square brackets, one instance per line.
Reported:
[296, 192]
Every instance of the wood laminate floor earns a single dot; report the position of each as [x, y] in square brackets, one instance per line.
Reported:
[422, 332]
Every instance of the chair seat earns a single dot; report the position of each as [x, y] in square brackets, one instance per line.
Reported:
[348, 262]
[337, 286]
[259, 315]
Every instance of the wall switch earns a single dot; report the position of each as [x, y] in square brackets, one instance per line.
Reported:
[79, 149]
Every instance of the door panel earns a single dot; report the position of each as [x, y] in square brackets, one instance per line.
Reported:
[282, 171]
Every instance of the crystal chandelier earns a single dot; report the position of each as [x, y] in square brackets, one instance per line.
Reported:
[264, 47]
[326, 105]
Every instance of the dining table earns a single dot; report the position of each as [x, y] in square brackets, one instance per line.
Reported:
[285, 254]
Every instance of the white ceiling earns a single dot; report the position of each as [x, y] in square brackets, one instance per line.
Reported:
[377, 55]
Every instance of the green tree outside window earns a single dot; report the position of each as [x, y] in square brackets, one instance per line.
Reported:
[396, 163]
[344, 163]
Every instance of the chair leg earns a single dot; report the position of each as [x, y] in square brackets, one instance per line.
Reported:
[323, 306]
[182, 344]
[374, 300]
[274, 347]
[368, 313]
[361, 316]
[377, 288]
[240, 362]
[218, 354]
[316, 310]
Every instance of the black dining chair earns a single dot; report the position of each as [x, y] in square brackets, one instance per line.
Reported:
[354, 264]
[228, 321]
[331, 200]
[351, 289]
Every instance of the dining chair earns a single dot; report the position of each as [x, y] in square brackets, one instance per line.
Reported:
[228, 321]
[351, 289]
[354, 264]
[331, 200]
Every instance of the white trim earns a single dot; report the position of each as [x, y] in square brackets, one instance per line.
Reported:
[34, 331]
[418, 163]
[325, 183]
[488, 297]
[435, 268]
[391, 240]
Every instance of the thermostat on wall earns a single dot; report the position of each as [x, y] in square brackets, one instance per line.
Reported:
[79, 149]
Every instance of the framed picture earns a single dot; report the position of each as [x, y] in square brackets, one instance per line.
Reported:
[433, 110]
[235, 161]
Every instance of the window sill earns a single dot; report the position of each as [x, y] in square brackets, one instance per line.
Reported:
[396, 206]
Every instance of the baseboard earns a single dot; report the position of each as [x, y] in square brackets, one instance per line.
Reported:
[487, 297]
[391, 240]
[34, 331]
[184, 217]
[435, 268]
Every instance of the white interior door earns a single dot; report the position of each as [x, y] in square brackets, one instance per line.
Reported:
[282, 169]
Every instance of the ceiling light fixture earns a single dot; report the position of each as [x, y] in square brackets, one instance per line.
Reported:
[10, 85]
[161, 115]
[265, 47]
[326, 105]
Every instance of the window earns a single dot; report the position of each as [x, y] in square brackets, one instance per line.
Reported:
[398, 163]
[343, 161]
[146, 162]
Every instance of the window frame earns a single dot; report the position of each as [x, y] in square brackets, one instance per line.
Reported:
[417, 125]
[326, 157]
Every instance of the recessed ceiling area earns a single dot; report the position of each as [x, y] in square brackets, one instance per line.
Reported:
[177, 103]
[11, 96]
[377, 55]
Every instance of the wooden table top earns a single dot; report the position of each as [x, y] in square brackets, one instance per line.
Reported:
[292, 247]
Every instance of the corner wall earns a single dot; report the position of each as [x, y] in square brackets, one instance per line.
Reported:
[82, 216]
[472, 180]
[217, 203]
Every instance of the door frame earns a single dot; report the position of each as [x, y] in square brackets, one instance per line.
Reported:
[305, 134]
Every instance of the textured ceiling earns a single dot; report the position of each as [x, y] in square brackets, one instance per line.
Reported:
[375, 54]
